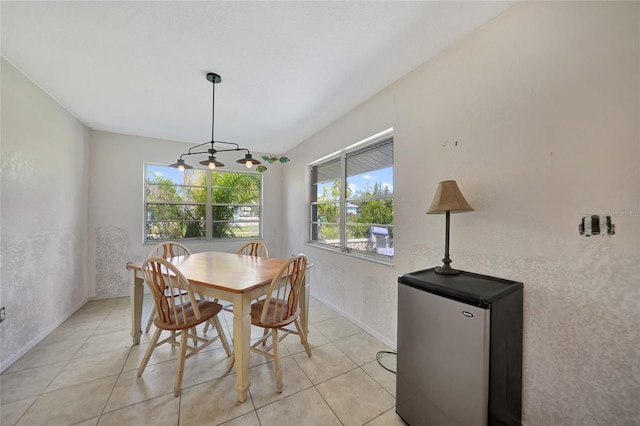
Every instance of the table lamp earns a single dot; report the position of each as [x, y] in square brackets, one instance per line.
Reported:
[448, 199]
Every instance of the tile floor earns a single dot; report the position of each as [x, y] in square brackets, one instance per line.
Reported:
[84, 373]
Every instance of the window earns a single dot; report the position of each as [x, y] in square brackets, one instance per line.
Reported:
[352, 199]
[201, 204]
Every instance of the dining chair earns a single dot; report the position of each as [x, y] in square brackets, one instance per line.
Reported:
[178, 310]
[169, 250]
[165, 250]
[254, 248]
[278, 310]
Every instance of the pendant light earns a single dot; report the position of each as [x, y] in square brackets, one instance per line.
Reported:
[211, 161]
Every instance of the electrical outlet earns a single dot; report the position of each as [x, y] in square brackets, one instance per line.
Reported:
[592, 224]
[3, 314]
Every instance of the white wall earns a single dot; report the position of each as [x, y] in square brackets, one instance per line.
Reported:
[116, 206]
[43, 214]
[543, 103]
[536, 115]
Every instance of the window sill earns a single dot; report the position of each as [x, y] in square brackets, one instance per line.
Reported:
[371, 258]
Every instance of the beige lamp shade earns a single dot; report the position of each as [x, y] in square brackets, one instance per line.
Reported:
[448, 198]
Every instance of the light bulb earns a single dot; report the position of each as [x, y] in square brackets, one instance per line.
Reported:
[181, 168]
[212, 165]
[248, 164]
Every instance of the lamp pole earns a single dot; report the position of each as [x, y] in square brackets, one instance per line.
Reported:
[446, 269]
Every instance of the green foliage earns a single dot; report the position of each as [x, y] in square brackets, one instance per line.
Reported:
[376, 211]
[165, 216]
[226, 190]
[175, 221]
[328, 211]
[371, 208]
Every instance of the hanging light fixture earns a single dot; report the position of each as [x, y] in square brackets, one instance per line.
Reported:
[211, 162]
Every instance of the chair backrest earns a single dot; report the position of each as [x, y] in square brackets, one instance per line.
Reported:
[171, 291]
[281, 303]
[169, 250]
[254, 248]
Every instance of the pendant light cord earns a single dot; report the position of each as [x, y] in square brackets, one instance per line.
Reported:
[213, 109]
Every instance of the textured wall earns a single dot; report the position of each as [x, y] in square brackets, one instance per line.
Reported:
[112, 252]
[43, 213]
[536, 116]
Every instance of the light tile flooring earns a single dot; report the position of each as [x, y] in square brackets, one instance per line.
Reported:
[84, 373]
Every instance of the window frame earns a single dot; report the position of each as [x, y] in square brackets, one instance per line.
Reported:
[208, 206]
[341, 157]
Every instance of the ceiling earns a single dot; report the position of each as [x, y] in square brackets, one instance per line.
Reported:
[288, 68]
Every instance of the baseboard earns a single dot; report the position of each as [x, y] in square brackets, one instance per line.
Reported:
[110, 296]
[4, 364]
[365, 327]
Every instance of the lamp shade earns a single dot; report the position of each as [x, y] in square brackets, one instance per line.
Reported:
[248, 160]
[211, 162]
[448, 198]
[180, 164]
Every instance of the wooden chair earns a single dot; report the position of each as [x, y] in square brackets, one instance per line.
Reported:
[169, 250]
[165, 250]
[177, 311]
[278, 310]
[254, 248]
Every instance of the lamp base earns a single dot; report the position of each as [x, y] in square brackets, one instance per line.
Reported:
[446, 270]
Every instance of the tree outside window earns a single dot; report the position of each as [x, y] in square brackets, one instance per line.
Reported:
[201, 204]
[356, 216]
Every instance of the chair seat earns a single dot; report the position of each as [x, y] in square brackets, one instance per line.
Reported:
[207, 309]
[256, 314]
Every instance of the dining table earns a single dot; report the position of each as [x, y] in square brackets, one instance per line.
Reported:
[230, 277]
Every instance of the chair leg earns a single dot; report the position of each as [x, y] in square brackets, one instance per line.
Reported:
[232, 361]
[206, 326]
[150, 348]
[221, 334]
[276, 359]
[194, 332]
[303, 338]
[180, 369]
[152, 316]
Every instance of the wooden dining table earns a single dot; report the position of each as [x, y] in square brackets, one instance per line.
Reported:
[229, 277]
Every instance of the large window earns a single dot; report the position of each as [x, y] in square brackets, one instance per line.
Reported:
[352, 199]
[201, 204]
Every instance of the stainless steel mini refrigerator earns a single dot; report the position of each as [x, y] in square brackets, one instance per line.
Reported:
[459, 349]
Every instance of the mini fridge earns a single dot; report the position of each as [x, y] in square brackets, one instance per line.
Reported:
[459, 349]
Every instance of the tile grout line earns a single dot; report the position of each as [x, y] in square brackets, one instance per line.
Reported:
[290, 353]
